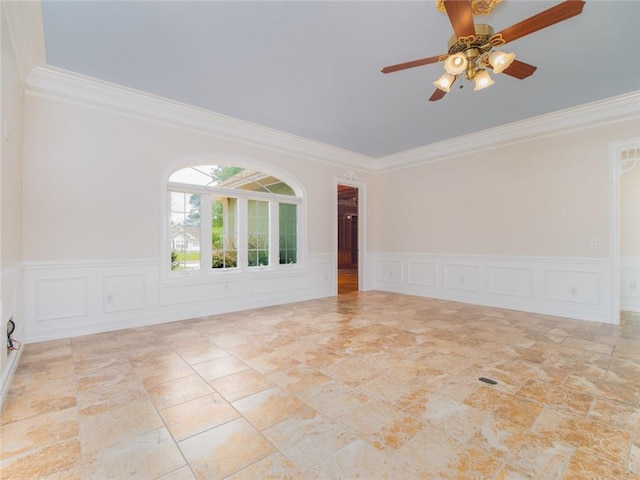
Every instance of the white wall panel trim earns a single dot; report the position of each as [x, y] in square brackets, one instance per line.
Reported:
[512, 281]
[91, 264]
[563, 286]
[630, 283]
[67, 300]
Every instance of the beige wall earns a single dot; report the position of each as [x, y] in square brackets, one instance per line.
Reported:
[630, 212]
[10, 198]
[546, 197]
[11, 188]
[96, 181]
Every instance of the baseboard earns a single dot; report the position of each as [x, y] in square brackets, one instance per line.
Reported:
[8, 373]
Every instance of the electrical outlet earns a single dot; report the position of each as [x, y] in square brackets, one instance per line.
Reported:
[574, 291]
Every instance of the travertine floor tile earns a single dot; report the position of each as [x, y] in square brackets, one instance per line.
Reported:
[600, 438]
[516, 409]
[370, 385]
[300, 379]
[171, 393]
[183, 473]
[268, 407]
[221, 451]
[61, 460]
[534, 454]
[307, 438]
[359, 460]
[273, 467]
[37, 432]
[334, 399]
[197, 415]
[239, 385]
[381, 425]
[435, 454]
[149, 455]
[556, 397]
[586, 465]
[105, 429]
[220, 367]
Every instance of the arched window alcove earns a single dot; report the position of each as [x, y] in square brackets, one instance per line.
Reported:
[224, 218]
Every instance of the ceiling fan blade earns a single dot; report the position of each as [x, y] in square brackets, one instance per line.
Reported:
[519, 69]
[461, 17]
[439, 94]
[544, 19]
[411, 64]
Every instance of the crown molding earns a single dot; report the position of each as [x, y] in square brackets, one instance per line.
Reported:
[24, 22]
[67, 86]
[589, 115]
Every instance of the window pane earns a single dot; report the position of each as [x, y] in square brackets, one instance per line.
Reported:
[258, 233]
[231, 177]
[224, 251]
[212, 175]
[185, 231]
[288, 233]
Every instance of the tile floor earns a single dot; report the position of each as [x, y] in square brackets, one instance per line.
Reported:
[368, 385]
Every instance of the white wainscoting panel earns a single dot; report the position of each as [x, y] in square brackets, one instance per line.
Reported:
[461, 277]
[567, 287]
[198, 292]
[573, 286]
[324, 273]
[630, 283]
[515, 281]
[389, 271]
[58, 298]
[67, 300]
[422, 273]
[261, 286]
[121, 293]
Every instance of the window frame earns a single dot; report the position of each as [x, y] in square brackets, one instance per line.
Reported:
[206, 194]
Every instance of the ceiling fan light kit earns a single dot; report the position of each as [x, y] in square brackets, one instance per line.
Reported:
[456, 64]
[445, 81]
[471, 48]
[482, 80]
[500, 60]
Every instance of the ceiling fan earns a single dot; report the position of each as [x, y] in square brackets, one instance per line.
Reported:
[472, 47]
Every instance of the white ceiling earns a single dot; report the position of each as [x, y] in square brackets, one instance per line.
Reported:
[313, 68]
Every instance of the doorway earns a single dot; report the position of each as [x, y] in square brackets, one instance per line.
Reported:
[625, 231]
[348, 238]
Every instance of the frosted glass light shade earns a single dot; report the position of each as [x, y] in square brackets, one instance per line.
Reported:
[500, 61]
[456, 64]
[483, 80]
[444, 82]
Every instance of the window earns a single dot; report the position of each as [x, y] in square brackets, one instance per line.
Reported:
[258, 233]
[288, 233]
[185, 229]
[224, 237]
[250, 216]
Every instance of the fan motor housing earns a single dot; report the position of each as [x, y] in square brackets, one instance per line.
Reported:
[481, 40]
